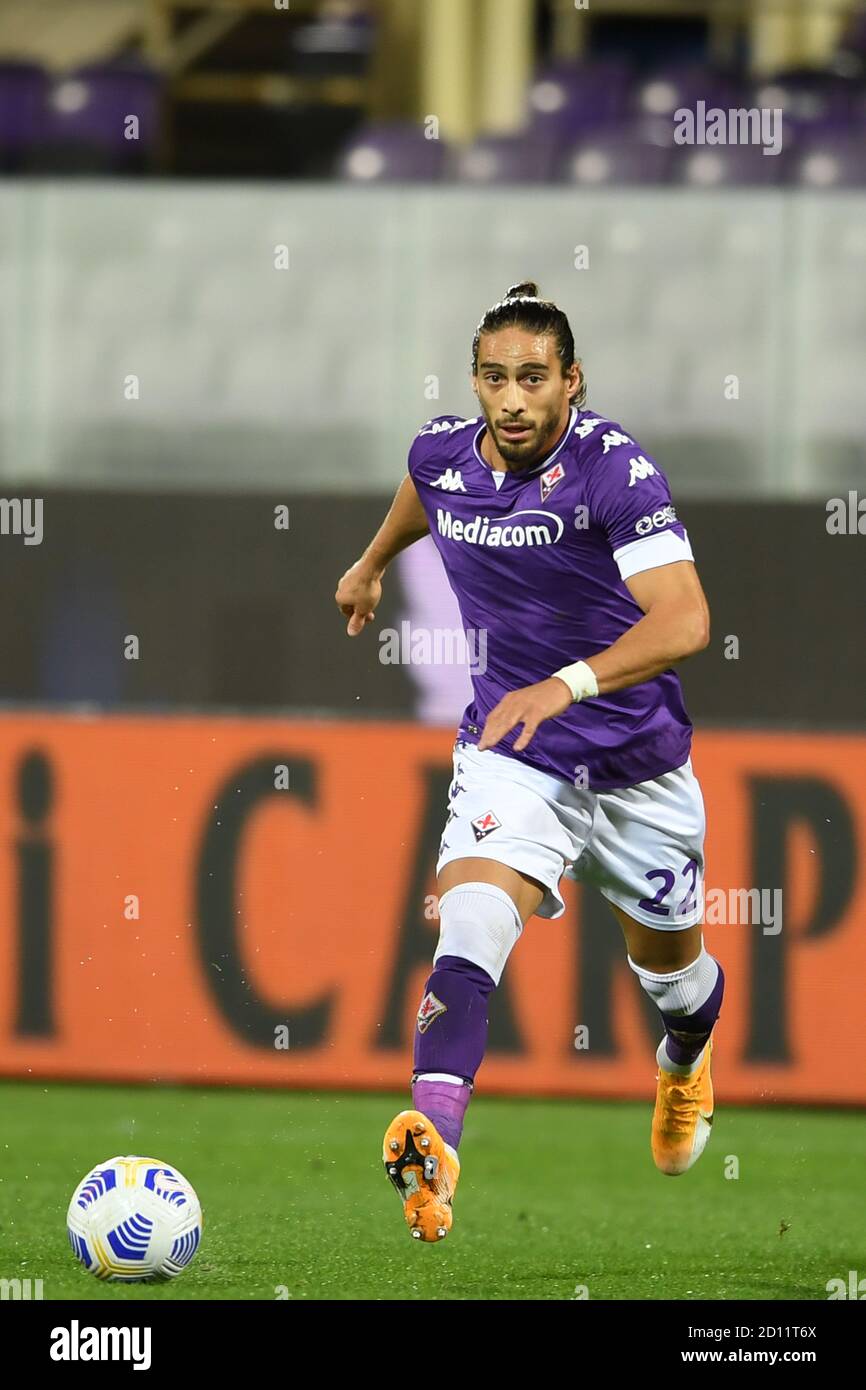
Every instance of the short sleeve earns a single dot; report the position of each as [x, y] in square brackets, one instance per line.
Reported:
[630, 500]
[416, 453]
[434, 450]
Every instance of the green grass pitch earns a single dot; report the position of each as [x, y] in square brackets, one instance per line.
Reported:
[554, 1195]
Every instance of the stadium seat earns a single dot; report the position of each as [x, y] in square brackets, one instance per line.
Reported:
[808, 100]
[720, 166]
[86, 119]
[392, 153]
[616, 155]
[505, 159]
[825, 161]
[565, 100]
[665, 91]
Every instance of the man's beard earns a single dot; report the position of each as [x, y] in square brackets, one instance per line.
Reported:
[522, 455]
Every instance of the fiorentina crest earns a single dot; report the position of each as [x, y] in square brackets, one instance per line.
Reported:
[483, 825]
[430, 1009]
[549, 480]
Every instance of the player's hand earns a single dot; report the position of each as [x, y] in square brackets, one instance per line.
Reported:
[529, 707]
[358, 593]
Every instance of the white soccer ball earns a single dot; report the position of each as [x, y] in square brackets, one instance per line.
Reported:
[134, 1219]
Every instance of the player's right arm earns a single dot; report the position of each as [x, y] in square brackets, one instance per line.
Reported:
[360, 588]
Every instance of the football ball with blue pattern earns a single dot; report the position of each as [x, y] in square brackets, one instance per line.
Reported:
[134, 1219]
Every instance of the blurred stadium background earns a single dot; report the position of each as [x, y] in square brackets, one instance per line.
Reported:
[243, 249]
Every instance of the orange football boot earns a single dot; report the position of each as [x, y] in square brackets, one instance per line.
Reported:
[683, 1116]
[424, 1170]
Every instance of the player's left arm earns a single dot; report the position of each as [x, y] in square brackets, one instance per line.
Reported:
[630, 500]
[676, 624]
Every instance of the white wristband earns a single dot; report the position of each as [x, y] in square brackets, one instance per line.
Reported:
[580, 679]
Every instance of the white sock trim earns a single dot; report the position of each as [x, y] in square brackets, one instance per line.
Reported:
[440, 1076]
[673, 976]
[491, 890]
[683, 991]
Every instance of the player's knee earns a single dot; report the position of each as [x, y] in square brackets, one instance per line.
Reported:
[480, 923]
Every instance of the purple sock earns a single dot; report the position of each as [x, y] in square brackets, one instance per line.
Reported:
[687, 1033]
[444, 1103]
[450, 1037]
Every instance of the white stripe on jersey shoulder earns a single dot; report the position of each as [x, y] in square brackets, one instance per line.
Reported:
[651, 552]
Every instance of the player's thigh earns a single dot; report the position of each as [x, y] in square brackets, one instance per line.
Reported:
[525, 892]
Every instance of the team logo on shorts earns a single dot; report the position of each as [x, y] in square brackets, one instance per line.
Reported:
[430, 1009]
[483, 825]
[549, 480]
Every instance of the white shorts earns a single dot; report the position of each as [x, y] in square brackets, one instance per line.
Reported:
[642, 847]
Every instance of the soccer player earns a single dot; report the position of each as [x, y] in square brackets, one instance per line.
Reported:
[561, 543]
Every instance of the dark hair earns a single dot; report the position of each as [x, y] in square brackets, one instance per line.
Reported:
[522, 308]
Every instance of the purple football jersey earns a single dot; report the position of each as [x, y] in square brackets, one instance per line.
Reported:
[537, 561]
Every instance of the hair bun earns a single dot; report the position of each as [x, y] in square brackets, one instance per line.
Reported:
[528, 290]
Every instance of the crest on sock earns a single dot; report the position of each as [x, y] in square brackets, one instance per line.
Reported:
[430, 1009]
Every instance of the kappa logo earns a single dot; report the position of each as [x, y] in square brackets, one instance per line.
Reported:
[450, 481]
[430, 1009]
[585, 428]
[485, 825]
[613, 437]
[549, 480]
[447, 426]
[640, 468]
